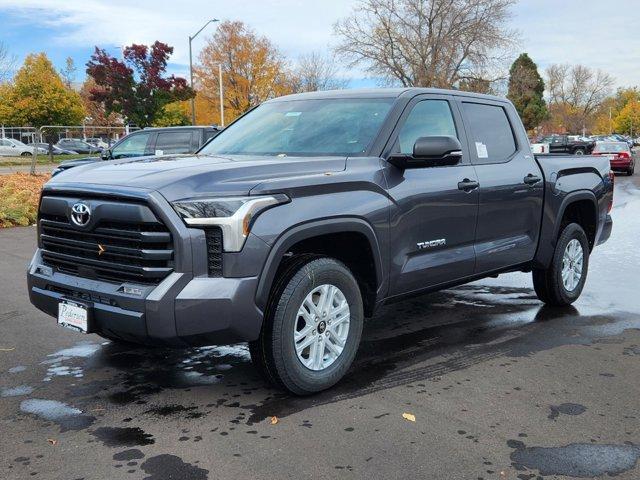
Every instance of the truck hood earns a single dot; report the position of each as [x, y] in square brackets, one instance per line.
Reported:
[183, 176]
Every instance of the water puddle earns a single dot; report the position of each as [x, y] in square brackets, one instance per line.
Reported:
[582, 460]
[68, 418]
[16, 391]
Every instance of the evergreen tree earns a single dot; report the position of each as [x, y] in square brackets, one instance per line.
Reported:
[526, 89]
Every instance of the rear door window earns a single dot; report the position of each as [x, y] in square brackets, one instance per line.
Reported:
[173, 142]
[492, 139]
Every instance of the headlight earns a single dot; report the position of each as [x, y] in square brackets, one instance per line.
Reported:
[234, 215]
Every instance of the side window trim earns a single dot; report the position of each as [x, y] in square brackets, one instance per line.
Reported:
[457, 121]
[472, 151]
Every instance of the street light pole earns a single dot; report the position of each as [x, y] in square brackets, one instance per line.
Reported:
[221, 95]
[193, 100]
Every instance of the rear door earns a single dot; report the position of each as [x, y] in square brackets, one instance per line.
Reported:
[175, 142]
[433, 214]
[558, 144]
[511, 186]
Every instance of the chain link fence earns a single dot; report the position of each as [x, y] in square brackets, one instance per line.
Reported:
[98, 136]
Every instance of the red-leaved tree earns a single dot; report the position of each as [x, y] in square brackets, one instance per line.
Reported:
[138, 87]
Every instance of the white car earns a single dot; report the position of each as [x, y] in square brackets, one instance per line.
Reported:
[14, 148]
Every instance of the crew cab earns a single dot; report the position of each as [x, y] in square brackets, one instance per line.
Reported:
[565, 144]
[302, 217]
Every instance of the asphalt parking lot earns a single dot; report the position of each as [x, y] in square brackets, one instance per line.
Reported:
[500, 387]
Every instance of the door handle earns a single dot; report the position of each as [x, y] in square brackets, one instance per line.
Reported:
[531, 179]
[468, 185]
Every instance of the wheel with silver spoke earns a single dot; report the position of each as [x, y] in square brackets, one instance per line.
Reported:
[313, 328]
[562, 282]
[322, 327]
[572, 265]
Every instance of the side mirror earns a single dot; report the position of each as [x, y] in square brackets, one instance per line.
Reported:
[106, 154]
[436, 151]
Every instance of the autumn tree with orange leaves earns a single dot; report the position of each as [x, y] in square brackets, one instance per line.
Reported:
[253, 69]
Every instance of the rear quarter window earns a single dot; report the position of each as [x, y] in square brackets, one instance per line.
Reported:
[492, 139]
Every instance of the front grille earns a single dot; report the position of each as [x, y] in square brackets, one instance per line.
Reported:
[136, 249]
[214, 251]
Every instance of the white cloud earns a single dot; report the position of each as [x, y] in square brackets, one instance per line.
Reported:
[592, 32]
[598, 34]
[295, 26]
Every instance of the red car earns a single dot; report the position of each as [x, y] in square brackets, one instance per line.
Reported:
[620, 156]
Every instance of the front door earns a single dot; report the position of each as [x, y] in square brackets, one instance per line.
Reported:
[511, 186]
[433, 213]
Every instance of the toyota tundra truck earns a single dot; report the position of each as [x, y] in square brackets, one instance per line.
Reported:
[306, 214]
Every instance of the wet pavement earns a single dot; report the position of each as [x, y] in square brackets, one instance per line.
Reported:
[501, 387]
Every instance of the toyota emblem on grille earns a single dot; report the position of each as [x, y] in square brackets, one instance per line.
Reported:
[80, 214]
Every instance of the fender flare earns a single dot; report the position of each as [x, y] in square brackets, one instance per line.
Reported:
[550, 229]
[569, 199]
[311, 229]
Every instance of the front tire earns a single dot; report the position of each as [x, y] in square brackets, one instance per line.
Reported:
[562, 282]
[312, 328]
[579, 151]
[26, 154]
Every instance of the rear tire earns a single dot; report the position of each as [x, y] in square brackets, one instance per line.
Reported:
[561, 284]
[279, 353]
[631, 170]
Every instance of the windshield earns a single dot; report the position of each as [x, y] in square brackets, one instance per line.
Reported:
[17, 143]
[611, 147]
[339, 127]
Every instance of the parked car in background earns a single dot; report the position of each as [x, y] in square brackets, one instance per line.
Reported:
[151, 141]
[622, 138]
[564, 144]
[10, 147]
[97, 142]
[619, 154]
[56, 150]
[77, 145]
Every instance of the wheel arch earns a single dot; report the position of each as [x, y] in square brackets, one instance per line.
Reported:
[312, 230]
[582, 208]
[555, 211]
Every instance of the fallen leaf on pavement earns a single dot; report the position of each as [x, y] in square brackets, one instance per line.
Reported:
[274, 420]
[408, 416]
[51, 441]
[7, 349]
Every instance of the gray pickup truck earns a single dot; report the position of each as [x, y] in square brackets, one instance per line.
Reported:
[307, 213]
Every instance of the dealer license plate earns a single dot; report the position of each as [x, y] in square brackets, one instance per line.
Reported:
[74, 316]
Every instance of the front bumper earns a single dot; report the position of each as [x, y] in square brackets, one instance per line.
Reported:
[180, 311]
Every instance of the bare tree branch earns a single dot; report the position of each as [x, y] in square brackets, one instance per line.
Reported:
[435, 43]
[315, 72]
[8, 64]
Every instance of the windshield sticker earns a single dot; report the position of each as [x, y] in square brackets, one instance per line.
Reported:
[481, 150]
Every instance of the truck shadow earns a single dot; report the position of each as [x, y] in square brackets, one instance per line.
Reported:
[409, 343]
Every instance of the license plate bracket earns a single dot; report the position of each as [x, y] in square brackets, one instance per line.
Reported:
[74, 315]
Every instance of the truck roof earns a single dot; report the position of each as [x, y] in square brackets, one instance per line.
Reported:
[383, 93]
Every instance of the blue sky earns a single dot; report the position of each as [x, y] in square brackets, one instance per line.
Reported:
[599, 34]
